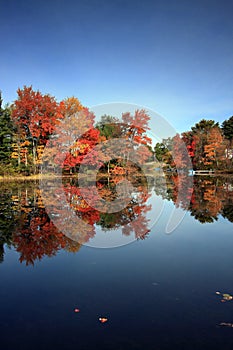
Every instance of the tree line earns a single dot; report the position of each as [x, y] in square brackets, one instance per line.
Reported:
[27, 126]
[36, 123]
[208, 145]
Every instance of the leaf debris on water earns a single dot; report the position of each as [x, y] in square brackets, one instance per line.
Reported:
[226, 324]
[225, 296]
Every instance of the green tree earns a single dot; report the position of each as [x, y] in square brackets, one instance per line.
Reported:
[109, 127]
[203, 126]
[227, 127]
[163, 152]
[6, 136]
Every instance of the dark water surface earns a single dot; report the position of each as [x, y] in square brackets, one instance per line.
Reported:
[157, 292]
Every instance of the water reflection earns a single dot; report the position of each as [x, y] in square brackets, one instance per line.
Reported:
[208, 197]
[130, 219]
[26, 226]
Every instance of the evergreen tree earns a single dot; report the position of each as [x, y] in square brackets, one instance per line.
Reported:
[6, 134]
[227, 127]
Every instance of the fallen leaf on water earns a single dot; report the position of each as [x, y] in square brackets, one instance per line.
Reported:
[227, 296]
[103, 319]
[226, 324]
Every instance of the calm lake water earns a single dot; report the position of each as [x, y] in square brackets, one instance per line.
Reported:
[157, 290]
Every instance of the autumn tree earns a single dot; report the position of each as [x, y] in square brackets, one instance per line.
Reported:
[35, 116]
[190, 141]
[179, 153]
[81, 148]
[71, 106]
[136, 126]
[73, 138]
[200, 133]
[134, 139]
[214, 150]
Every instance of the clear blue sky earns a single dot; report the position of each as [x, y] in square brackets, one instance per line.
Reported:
[174, 57]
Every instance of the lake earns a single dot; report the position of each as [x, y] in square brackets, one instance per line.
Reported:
[65, 265]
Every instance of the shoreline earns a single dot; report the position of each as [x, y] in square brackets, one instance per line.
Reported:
[38, 177]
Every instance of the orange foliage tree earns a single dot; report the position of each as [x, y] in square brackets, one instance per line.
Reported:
[214, 150]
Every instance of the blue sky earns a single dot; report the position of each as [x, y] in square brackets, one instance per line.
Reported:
[174, 57]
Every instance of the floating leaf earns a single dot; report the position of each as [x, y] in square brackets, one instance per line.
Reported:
[227, 296]
[225, 324]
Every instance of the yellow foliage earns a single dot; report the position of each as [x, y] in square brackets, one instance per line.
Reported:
[72, 106]
[14, 155]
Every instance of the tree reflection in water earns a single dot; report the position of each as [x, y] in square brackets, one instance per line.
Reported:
[208, 198]
[26, 226]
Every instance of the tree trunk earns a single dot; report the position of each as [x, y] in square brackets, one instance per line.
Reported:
[108, 172]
